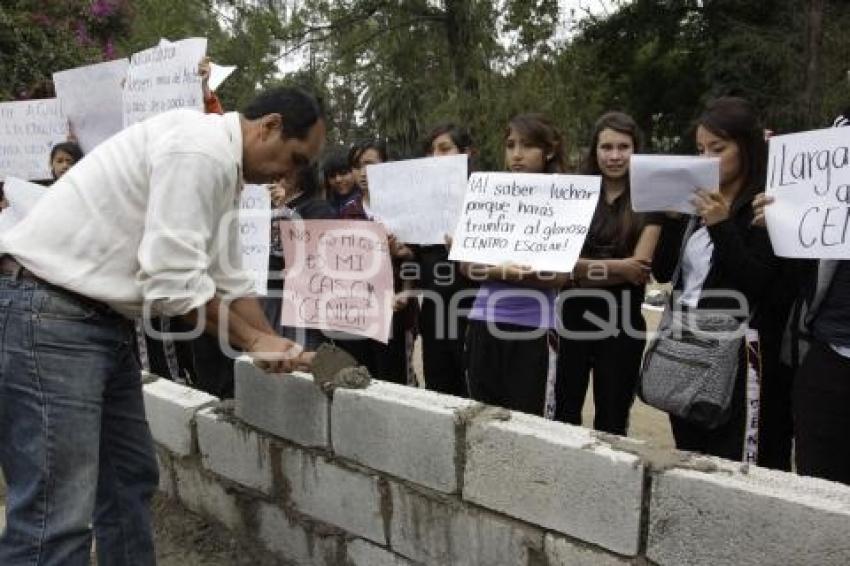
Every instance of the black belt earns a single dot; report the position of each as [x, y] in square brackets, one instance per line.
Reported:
[10, 266]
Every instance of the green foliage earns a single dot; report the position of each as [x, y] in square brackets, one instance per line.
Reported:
[40, 37]
[397, 68]
[391, 70]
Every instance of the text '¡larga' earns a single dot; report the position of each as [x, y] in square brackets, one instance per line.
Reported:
[787, 170]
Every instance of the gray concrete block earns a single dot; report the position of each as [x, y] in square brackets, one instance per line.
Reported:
[362, 553]
[206, 496]
[325, 491]
[556, 476]
[747, 519]
[289, 406]
[561, 551]
[435, 529]
[169, 408]
[233, 451]
[404, 431]
[294, 542]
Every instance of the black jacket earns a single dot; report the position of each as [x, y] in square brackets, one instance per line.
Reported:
[742, 259]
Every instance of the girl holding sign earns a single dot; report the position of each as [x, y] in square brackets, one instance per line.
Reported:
[443, 327]
[615, 260]
[511, 343]
[391, 361]
[361, 156]
[723, 262]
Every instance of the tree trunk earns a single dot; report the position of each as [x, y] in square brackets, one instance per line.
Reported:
[814, 40]
[459, 42]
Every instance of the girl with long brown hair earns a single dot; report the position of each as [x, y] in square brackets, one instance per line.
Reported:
[511, 345]
[615, 262]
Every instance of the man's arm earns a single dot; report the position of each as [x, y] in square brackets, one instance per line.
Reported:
[245, 327]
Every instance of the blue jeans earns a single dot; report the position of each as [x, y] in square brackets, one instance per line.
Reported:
[75, 447]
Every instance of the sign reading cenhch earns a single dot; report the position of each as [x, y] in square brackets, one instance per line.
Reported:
[536, 220]
[809, 178]
[338, 277]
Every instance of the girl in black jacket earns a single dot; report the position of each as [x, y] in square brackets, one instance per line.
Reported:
[726, 262]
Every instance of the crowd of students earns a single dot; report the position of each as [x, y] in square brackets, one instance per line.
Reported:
[505, 335]
[511, 339]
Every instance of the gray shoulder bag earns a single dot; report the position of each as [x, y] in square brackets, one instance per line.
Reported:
[690, 367]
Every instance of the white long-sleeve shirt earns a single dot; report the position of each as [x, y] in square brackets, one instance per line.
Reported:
[149, 215]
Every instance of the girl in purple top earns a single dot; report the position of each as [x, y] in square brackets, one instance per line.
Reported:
[511, 342]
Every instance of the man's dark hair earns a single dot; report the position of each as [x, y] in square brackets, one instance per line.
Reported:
[298, 108]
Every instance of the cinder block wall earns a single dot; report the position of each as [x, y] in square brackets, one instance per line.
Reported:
[392, 475]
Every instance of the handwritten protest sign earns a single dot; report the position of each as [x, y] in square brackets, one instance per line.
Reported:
[22, 197]
[338, 277]
[163, 78]
[255, 214]
[91, 100]
[28, 130]
[419, 200]
[661, 183]
[809, 176]
[527, 219]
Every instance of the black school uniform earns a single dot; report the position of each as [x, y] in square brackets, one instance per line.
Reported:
[614, 359]
[446, 301]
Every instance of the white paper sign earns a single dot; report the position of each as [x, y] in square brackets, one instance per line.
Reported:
[163, 78]
[22, 197]
[28, 131]
[91, 100]
[662, 183]
[255, 217]
[219, 74]
[419, 200]
[536, 220]
[809, 178]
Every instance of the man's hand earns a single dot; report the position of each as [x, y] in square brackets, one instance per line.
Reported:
[274, 354]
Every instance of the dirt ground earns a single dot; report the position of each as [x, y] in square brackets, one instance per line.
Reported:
[185, 539]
